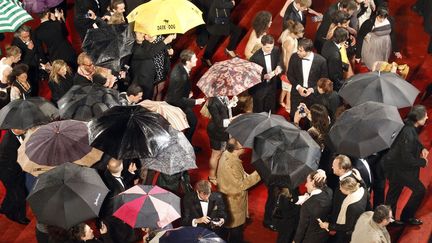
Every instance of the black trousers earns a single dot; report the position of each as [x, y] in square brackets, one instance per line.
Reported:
[397, 181]
[235, 33]
[270, 205]
[234, 235]
[14, 203]
[265, 101]
[192, 120]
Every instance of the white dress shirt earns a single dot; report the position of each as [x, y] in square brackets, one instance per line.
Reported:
[204, 208]
[268, 64]
[306, 67]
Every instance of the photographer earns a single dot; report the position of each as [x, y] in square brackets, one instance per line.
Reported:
[204, 208]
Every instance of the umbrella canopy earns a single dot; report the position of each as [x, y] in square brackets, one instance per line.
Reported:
[230, 77]
[147, 206]
[178, 156]
[129, 132]
[174, 115]
[12, 15]
[366, 129]
[246, 127]
[57, 143]
[159, 17]
[188, 234]
[285, 156]
[385, 87]
[24, 114]
[38, 6]
[86, 102]
[108, 44]
[67, 195]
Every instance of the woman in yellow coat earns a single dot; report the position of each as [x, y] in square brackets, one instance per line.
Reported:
[233, 182]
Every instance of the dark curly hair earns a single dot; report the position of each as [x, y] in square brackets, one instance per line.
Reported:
[17, 71]
[261, 22]
[77, 232]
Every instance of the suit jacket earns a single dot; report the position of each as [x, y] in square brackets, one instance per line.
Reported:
[219, 112]
[258, 57]
[324, 27]
[293, 14]
[60, 88]
[219, 8]
[53, 35]
[317, 206]
[366, 230]
[9, 153]
[30, 56]
[234, 182]
[115, 188]
[179, 88]
[82, 23]
[334, 63]
[295, 75]
[192, 208]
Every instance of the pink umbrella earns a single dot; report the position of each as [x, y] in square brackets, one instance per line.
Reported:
[38, 6]
[147, 206]
[230, 77]
[174, 115]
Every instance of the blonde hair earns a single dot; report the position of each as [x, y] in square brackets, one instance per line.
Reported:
[116, 18]
[56, 66]
[12, 51]
[349, 184]
[81, 57]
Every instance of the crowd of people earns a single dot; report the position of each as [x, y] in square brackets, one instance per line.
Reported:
[301, 74]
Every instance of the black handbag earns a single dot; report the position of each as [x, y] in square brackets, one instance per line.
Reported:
[222, 19]
[277, 211]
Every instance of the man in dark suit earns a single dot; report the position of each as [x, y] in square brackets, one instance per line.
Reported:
[13, 178]
[331, 52]
[402, 165]
[31, 54]
[132, 96]
[304, 70]
[317, 206]
[342, 167]
[204, 208]
[264, 93]
[179, 90]
[82, 19]
[348, 6]
[218, 25]
[296, 11]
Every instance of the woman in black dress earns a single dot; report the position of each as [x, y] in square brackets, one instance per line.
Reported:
[20, 86]
[60, 80]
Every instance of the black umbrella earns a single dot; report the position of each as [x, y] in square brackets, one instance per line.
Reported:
[366, 129]
[86, 102]
[129, 132]
[285, 156]
[24, 114]
[385, 87]
[189, 234]
[245, 127]
[108, 44]
[67, 195]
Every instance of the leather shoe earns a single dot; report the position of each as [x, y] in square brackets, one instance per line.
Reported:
[231, 54]
[207, 62]
[397, 223]
[24, 221]
[270, 226]
[414, 221]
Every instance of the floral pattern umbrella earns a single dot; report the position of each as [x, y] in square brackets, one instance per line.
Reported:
[230, 77]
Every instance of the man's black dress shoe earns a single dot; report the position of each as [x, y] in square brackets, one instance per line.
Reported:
[414, 221]
[207, 62]
[397, 223]
[270, 226]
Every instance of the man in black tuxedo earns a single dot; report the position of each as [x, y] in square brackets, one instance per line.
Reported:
[204, 208]
[348, 6]
[13, 178]
[331, 52]
[296, 11]
[82, 20]
[264, 93]
[304, 70]
[32, 54]
[179, 90]
[317, 206]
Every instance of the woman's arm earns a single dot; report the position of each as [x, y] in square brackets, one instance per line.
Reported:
[284, 8]
[250, 45]
[287, 50]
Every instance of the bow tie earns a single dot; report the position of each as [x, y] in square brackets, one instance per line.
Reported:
[306, 59]
[203, 201]
[267, 54]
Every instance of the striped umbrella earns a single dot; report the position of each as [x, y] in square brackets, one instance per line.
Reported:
[12, 15]
[147, 206]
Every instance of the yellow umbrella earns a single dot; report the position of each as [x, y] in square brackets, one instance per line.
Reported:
[159, 17]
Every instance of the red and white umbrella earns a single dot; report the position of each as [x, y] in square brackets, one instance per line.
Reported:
[145, 206]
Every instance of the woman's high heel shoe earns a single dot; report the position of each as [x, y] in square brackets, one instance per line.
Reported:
[229, 53]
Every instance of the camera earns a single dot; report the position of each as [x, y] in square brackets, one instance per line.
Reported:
[301, 109]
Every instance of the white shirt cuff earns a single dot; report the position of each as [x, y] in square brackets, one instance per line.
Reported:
[194, 223]
[297, 87]
[226, 122]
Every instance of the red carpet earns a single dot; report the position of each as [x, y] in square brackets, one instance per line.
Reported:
[413, 43]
